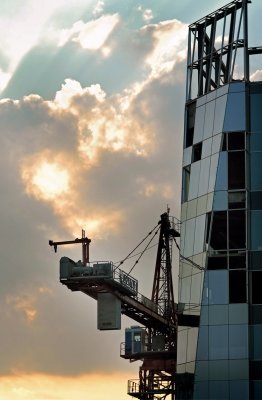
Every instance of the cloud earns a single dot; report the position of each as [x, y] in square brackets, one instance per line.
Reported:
[256, 76]
[91, 35]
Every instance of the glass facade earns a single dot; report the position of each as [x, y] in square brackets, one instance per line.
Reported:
[222, 233]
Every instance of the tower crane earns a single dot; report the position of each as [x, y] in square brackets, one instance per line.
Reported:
[116, 292]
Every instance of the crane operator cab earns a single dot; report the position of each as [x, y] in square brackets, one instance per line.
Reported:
[136, 340]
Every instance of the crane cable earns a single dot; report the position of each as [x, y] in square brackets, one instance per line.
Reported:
[141, 254]
[188, 259]
[128, 256]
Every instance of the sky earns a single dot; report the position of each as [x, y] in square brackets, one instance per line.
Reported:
[91, 115]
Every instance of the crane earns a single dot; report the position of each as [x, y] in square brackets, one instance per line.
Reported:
[116, 292]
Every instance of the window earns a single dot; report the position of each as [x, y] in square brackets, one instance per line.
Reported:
[197, 151]
[237, 200]
[186, 182]
[236, 170]
[237, 287]
[237, 229]
[256, 292]
[218, 240]
[217, 262]
[191, 112]
[236, 141]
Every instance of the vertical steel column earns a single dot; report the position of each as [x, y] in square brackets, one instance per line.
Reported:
[246, 53]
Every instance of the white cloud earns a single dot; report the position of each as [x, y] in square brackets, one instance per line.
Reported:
[99, 7]
[91, 35]
[256, 76]
[148, 15]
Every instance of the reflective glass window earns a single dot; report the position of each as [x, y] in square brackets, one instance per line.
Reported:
[201, 391]
[199, 124]
[256, 230]
[197, 152]
[256, 167]
[190, 112]
[194, 180]
[256, 370]
[256, 200]
[185, 183]
[216, 143]
[185, 290]
[236, 141]
[257, 390]
[217, 287]
[201, 371]
[204, 176]
[187, 156]
[192, 344]
[237, 259]
[182, 345]
[219, 114]
[238, 313]
[202, 343]
[237, 87]
[206, 148]
[256, 259]
[218, 390]
[191, 208]
[235, 113]
[218, 315]
[256, 314]
[189, 239]
[237, 229]
[209, 119]
[256, 341]
[204, 315]
[218, 370]
[217, 262]
[236, 200]
[218, 239]
[222, 90]
[236, 170]
[237, 286]
[213, 172]
[239, 390]
[256, 292]
[220, 201]
[255, 111]
[238, 369]
[201, 205]
[222, 172]
[196, 288]
[218, 342]
[238, 341]
[256, 141]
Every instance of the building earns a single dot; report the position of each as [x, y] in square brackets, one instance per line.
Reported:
[220, 276]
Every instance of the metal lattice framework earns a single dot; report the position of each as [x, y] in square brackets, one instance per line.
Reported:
[213, 46]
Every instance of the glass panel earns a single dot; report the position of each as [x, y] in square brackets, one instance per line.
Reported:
[236, 170]
[256, 259]
[196, 288]
[218, 240]
[199, 124]
[256, 230]
[197, 152]
[201, 391]
[190, 112]
[256, 141]
[204, 315]
[256, 342]
[218, 315]
[185, 290]
[237, 229]
[220, 114]
[256, 292]
[213, 172]
[202, 205]
[182, 345]
[238, 313]
[256, 370]
[255, 111]
[238, 369]
[257, 390]
[201, 371]
[221, 179]
[218, 287]
[220, 201]
[236, 200]
[235, 113]
[209, 119]
[236, 141]
[194, 180]
[204, 176]
[192, 344]
[239, 390]
[202, 344]
[189, 240]
[256, 200]
[206, 148]
[238, 341]
[237, 87]
[217, 262]
[218, 390]
[187, 156]
[183, 211]
[210, 197]
[223, 90]
[237, 259]
[216, 143]
[256, 165]
[185, 183]
[191, 209]
[218, 370]
[256, 314]
[237, 287]
[218, 342]
[199, 234]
